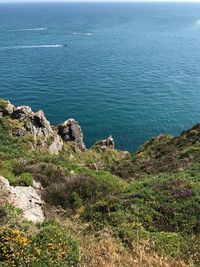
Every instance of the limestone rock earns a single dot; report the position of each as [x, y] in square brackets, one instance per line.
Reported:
[70, 131]
[104, 145]
[27, 199]
[35, 125]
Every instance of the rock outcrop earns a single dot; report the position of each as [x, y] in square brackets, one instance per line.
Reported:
[25, 198]
[6, 108]
[191, 136]
[70, 131]
[25, 122]
[105, 145]
[32, 123]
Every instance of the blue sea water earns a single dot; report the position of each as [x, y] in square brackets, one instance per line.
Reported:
[130, 70]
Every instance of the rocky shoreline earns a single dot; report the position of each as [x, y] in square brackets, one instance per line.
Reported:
[25, 122]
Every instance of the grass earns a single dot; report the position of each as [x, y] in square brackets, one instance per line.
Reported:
[119, 209]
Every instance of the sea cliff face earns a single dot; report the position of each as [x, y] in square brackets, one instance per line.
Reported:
[124, 209]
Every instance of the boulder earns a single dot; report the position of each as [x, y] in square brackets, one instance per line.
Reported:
[28, 199]
[70, 131]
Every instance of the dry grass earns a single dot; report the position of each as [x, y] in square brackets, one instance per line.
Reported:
[105, 252]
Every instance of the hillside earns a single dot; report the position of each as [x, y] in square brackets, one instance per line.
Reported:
[64, 205]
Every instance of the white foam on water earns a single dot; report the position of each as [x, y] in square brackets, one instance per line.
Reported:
[30, 47]
[31, 29]
[81, 33]
[77, 33]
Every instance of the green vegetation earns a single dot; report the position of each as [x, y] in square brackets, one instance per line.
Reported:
[50, 245]
[3, 104]
[152, 196]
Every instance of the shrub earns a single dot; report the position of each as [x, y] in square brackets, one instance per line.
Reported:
[55, 247]
[50, 247]
[9, 145]
[76, 190]
[171, 244]
[14, 247]
[71, 189]
[25, 179]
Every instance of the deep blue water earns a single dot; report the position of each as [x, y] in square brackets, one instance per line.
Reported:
[130, 70]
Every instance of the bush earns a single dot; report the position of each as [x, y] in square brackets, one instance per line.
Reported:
[50, 247]
[171, 244]
[9, 145]
[14, 247]
[55, 247]
[74, 191]
[25, 179]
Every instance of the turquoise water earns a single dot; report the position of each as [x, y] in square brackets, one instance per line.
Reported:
[130, 70]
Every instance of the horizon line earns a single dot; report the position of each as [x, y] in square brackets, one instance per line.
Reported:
[97, 1]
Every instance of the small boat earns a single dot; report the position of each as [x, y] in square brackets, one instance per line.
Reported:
[65, 45]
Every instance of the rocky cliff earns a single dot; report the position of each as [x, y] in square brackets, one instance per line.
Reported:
[23, 122]
[125, 209]
[36, 131]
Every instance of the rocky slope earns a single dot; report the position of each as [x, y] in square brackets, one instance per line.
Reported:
[129, 209]
[22, 122]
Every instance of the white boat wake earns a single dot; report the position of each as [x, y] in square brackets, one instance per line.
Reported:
[31, 46]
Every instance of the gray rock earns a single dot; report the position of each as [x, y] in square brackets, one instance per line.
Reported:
[22, 113]
[105, 145]
[27, 199]
[35, 125]
[70, 131]
[56, 146]
[40, 122]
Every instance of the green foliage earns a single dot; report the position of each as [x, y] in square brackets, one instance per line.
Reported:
[9, 145]
[3, 104]
[25, 179]
[158, 198]
[55, 246]
[51, 246]
[10, 169]
[9, 215]
[76, 190]
[171, 244]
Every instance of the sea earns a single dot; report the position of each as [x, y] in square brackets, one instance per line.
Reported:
[131, 70]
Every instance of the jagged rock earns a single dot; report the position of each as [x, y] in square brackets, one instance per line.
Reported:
[21, 113]
[40, 122]
[104, 145]
[70, 131]
[35, 125]
[27, 199]
[6, 108]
